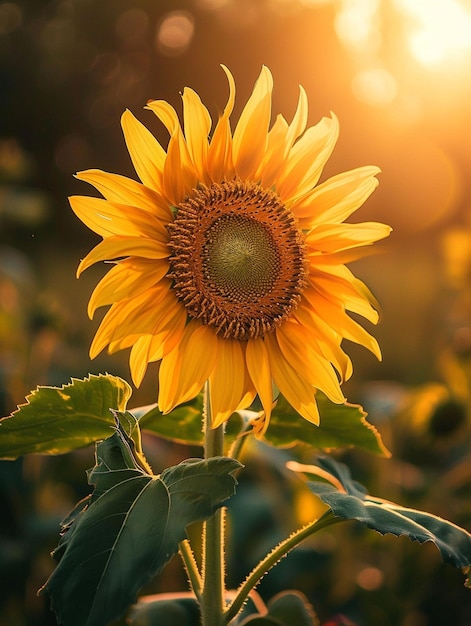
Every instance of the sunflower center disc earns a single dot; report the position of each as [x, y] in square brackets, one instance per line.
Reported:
[237, 259]
[241, 258]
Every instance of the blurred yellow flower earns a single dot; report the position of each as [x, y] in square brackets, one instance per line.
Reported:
[229, 259]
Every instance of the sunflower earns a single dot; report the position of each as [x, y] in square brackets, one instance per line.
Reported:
[229, 257]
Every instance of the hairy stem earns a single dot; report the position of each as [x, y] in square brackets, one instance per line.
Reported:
[191, 567]
[212, 596]
[272, 559]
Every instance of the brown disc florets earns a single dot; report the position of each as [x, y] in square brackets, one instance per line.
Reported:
[237, 258]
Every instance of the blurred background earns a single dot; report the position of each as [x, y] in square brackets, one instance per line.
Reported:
[397, 73]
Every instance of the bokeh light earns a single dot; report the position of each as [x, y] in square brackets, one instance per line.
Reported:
[175, 32]
[375, 86]
[357, 24]
[370, 578]
[439, 31]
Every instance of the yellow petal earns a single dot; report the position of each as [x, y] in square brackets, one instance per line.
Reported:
[220, 164]
[280, 141]
[121, 247]
[296, 349]
[123, 190]
[127, 279]
[163, 317]
[338, 197]
[139, 358]
[197, 125]
[179, 176]
[258, 366]
[250, 135]
[169, 332]
[298, 124]
[129, 318]
[337, 289]
[346, 275]
[273, 158]
[147, 155]
[166, 114]
[337, 237]
[339, 359]
[108, 218]
[307, 159]
[184, 370]
[320, 259]
[226, 383]
[232, 90]
[299, 393]
[325, 338]
[148, 348]
[339, 320]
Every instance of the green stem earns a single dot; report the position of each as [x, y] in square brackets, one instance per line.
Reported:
[212, 596]
[191, 567]
[235, 451]
[281, 550]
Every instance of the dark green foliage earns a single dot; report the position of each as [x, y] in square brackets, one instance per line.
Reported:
[122, 536]
[352, 502]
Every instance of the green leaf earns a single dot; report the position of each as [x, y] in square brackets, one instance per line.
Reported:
[56, 420]
[129, 424]
[129, 529]
[350, 501]
[286, 609]
[341, 426]
[184, 424]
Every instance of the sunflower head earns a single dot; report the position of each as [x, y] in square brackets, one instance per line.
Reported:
[229, 257]
[237, 259]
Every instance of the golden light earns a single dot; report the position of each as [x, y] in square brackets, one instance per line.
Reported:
[370, 578]
[376, 86]
[439, 31]
[175, 33]
[396, 49]
[356, 23]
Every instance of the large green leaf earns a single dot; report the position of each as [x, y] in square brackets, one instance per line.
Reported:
[129, 528]
[350, 501]
[341, 426]
[184, 424]
[56, 420]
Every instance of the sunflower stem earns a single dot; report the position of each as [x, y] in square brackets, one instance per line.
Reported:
[212, 596]
[235, 451]
[272, 559]
[191, 567]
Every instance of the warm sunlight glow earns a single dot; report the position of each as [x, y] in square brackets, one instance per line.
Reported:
[356, 23]
[175, 33]
[439, 29]
[374, 86]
